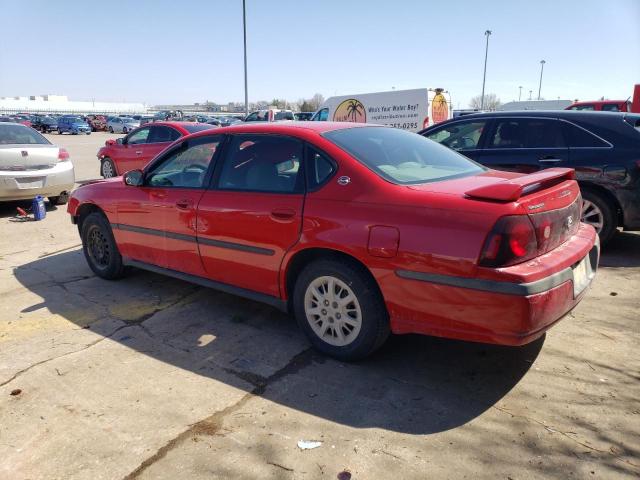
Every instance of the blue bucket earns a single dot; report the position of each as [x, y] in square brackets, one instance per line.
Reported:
[39, 212]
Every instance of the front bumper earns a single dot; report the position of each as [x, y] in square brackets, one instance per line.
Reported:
[495, 311]
[48, 182]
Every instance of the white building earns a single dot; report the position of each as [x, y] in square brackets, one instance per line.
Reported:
[62, 104]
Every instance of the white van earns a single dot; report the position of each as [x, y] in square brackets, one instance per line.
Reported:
[410, 110]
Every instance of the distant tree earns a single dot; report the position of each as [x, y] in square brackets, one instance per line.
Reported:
[491, 102]
[307, 106]
[316, 101]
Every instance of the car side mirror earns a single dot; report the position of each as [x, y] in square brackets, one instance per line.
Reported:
[133, 178]
[109, 142]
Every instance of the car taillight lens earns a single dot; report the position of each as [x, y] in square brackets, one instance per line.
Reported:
[512, 240]
[63, 155]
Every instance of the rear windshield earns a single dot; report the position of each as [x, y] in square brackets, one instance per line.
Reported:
[20, 135]
[402, 157]
[197, 128]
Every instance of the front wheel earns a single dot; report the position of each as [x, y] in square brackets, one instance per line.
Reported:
[599, 213]
[99, 247]
[340, 309]
[107, 168]
[124, 130]
[110, 129]
[59, 132]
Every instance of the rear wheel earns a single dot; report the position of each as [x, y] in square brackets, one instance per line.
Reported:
[124, 130]
[61, 199]
[99, 247]
[339, 308]
[599, 213]
[107, 168]
[110, 129]
[59, 132]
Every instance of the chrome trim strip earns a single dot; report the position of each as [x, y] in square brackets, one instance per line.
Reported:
[194, 239]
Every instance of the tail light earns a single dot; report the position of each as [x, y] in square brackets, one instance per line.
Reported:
[63, 155]
[512, 240]
[518, 238]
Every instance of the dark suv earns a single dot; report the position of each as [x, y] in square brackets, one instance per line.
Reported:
[603, 148]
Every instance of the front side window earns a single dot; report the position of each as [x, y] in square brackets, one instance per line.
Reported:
[459, 136]
[253, 117]
[402, 157]
[321, 116]
[185, 167]
[527, 133]
[263, 163]
[610, 107]
[138, 137]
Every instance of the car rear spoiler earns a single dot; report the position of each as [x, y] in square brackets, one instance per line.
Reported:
[513, 189]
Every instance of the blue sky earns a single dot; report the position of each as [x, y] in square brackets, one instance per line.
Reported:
[169, 51]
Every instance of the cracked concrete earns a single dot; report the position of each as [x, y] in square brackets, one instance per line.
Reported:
[153, 378]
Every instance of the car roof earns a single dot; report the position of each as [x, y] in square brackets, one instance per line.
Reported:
[567, 114]
[597, 102]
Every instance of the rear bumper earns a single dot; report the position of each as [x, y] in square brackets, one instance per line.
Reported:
[492, 310]
[48, 182]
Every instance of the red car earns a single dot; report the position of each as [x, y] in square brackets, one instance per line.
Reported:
[359, 230]
[142, 144]
[98, 123]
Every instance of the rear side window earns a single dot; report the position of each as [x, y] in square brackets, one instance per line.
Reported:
[263, 163]
[402, 157]
[319, 168]
[162, 134]
[20, 135]
[580, 138]
[583, 107]
[527, 133]
[459, 136]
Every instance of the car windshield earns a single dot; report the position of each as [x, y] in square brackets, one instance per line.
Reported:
[402, 157]
[76, 119]
[20, 135]
[128, 120]
[197, 127]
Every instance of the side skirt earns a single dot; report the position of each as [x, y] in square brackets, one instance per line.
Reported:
[205, 282]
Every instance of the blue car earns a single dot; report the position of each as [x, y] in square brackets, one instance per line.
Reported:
[73, 124]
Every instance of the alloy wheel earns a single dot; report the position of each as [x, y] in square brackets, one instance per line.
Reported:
[98, 247]
[592, 215]
[333, 311]
[107, 169]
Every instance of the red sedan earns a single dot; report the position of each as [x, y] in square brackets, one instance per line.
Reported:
[359, 230]
[142, 144]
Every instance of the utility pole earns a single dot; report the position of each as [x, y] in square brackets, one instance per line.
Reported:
[542, 62]
[530, 92]
[520, 94]
[484, 76]
[246, 88]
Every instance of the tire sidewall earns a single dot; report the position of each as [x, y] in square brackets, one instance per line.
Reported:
[375, 321]
[609, 223]
[114, 268]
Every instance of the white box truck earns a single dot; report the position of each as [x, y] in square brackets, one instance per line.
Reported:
[410, 110]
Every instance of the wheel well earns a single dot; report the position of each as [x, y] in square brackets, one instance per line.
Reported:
[84, 211]
[305, 257]
[606, 195]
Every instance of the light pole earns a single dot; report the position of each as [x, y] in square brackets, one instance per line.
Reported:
[542, 62]
[520, 93]
[246, 88]
[530, 92]
[484, 76]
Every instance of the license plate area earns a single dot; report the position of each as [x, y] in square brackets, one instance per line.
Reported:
[584, 271]
[30, 182]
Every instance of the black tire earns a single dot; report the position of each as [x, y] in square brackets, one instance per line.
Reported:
[110, 129]
[59, 132]
[374, 326]
[609, 217]
[61, 199]
[124, 130]
[99, 247]
[109, 166]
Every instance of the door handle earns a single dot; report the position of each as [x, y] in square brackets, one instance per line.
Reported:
[283, 213]
[138, 152]
[184, 204]
[549, 159]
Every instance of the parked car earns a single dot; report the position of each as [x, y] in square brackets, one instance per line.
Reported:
[122, 124]
[45, 124]
[602, 106]
[602, 147]
[98, 123]
[30, 165]
[146, 119]
[397, 232]
[270, 115]
[303, 116]
[141, 145]
[73, 124]
[228, 121]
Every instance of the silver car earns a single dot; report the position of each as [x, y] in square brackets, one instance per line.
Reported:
[122, 124]
[30, 165]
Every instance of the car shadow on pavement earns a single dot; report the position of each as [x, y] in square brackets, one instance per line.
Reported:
[623, 250]
[414, 384]
[10, 209]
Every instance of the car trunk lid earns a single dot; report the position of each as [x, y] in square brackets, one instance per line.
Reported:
[28, 157]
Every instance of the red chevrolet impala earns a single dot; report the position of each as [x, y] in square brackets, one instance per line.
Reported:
[141, 145]
[359, 230]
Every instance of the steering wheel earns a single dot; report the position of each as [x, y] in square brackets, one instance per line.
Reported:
[194, 166]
